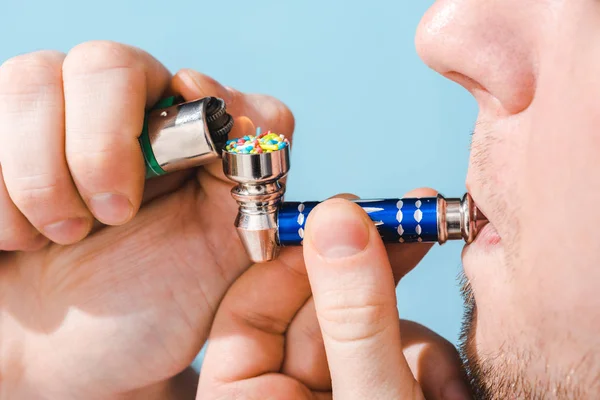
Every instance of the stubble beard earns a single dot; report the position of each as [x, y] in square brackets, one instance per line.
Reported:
[505, 375]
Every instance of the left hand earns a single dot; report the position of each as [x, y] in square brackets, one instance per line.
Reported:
[272, 339]
[120, 312]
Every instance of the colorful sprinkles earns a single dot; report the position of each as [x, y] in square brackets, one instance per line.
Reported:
[256, 144]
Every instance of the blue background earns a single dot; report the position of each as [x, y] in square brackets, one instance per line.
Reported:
[347, 69]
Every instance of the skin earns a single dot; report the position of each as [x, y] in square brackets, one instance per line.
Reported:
[319, 322]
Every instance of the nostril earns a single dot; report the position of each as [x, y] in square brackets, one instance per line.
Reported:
[468, 83]
[486, 100]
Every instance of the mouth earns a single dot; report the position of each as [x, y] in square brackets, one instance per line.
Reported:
[487, 235]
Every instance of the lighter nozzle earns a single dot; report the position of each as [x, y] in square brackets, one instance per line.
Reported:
[258, 194]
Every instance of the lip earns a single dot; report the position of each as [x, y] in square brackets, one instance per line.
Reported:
[486, 242]
[488, 236]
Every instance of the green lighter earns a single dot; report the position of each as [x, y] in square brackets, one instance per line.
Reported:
[180, 135]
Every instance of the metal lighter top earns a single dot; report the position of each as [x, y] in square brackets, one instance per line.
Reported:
[179, 136]
[265, 223]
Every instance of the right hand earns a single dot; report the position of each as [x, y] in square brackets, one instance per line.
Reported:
[330, 328]
[95, 313]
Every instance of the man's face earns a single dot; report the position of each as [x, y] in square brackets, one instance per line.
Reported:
[534, 271]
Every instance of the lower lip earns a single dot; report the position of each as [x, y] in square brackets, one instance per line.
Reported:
[487, 236]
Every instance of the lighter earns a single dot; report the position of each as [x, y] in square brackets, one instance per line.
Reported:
[180, 135]
[265, 222]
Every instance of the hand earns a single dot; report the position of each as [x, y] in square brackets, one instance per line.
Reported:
[271, 339]
[96, 313]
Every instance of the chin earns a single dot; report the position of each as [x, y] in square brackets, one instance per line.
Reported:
[481, 343]
[499, 363]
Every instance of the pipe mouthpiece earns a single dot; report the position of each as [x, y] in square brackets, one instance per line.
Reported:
[459, 219]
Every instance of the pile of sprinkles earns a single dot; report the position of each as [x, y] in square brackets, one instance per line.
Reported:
[257, 144]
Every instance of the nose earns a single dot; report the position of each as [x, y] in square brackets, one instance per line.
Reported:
[486, 46]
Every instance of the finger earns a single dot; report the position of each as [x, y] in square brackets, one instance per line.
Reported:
[16, 233]
[434, 362]
[247, 338]
[242, 126]
[32, 147]
[354, 291]
[269, 113]
[305, 357]
[263, 111]
[156, 188]
[269, 386]
[107, 87]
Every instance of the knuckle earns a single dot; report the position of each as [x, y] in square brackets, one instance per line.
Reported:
[284, 115]
[29, 73]
[94, 162]
[349, 317]
[40, 59]
[313, 352]
[279, 112]
[264, 323]
[313, 333]
[29, 192]
[99, 56]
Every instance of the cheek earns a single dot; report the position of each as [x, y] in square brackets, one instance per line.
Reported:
[556, 277]
[560, 183]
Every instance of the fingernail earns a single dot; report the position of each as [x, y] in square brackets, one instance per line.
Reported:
[456, 390]
[110, 208]
[338, 230]
[67, 231]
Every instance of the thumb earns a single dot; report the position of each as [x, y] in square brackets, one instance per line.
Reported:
[354, 292]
